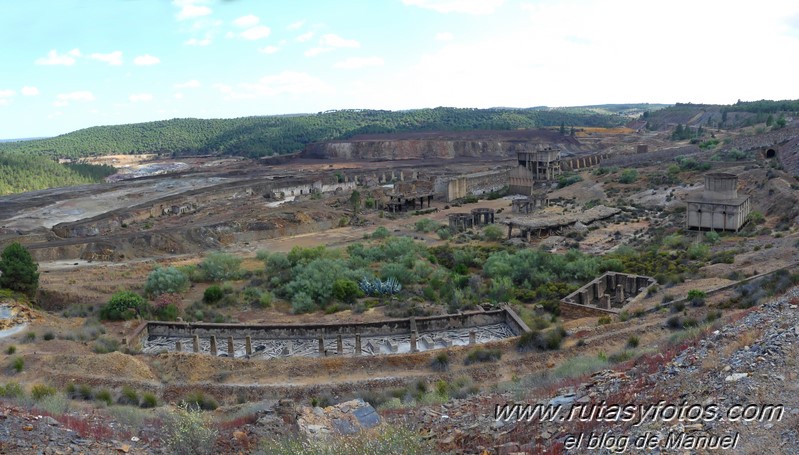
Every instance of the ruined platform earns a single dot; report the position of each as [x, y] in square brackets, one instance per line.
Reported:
[609, 293]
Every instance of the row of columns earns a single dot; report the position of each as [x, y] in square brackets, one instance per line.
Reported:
[322, 351]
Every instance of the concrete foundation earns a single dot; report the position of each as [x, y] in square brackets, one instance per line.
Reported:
[610, 292]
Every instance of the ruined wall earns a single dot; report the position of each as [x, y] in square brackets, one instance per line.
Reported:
[476, 184]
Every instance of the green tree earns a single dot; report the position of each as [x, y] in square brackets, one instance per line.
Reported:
[18, 271]
[166, 280]
[355, 201]
[770, 120]
[628, 176]
[124, 305]
[563, 128]
[221, 266]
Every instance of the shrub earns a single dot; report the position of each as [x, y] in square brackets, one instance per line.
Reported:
[12, 390]
[380, 233]
[493, 233]
[345, 290]
[11, 349]
[148, 401]
[265, 301]
[302, 303]
[425, 225]
[85, 392]
[483, 355]
[165, 280]
[674, 323]
[712, 237]
[39, 391]
[603, 320]
[213, 294]
[124, 305]
[198, 401]
[440, 362]
[18, 364]
[755, 217]
[628, 176]
[677, 307]
[104, 345]
[48, 336]
[696, 297]
[187, 432]
[698, 251]
[30, 337]
[105, 396]
[221, 266]
[444, 233]
[128, 396]
[633, 342]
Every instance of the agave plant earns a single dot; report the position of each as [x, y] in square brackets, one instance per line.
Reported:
[377, 287]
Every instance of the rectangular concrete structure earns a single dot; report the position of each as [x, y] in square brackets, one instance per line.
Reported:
[609, 293]
[718, 207]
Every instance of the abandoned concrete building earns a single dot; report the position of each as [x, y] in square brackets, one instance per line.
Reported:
[459, 222]
[718, 207]
[529, 204]
[609, 293]
[405, 195]
[536, 170]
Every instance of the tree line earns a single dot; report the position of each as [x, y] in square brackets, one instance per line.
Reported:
[23, 172]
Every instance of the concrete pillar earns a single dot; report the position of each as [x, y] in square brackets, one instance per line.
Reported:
[413, 341]
[196, 344]
[604, 301]
[510, 230]
[322, 345]
[213, 345]
[412, 321]
[248, 345]
[178, 347]
[472, 337]
[231, 351]
[620, 294]
[357, 344]
[339, 345]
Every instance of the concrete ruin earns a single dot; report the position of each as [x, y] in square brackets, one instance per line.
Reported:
[459, 222]
[536, 171]
[718, 207]
[609, 293]
[476, 184]
[529, 204]
[404, 195]
[393, 336]
[546, 224]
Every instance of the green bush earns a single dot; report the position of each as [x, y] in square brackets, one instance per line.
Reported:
[380, 233]
[39, 391]
[425, 225]
[198, 401]
[18, 364]
[674, 323]
[483, 355]
[128, 396]
[104, 345]
[148, 400]
[213, 294]
[48, 336]
[18, 270]
[165, 280]
[696, 297]
[346, 291]
[755, 217]
[124, 305]
[187, 431]
[493, 233]
[444, 233]
[440, 362]
[10, 350]
[12, 390]
[628, 176]
[221, 266]
[104, 396]
[712, 237]
[633, 341]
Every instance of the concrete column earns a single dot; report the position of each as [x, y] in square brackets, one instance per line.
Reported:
[412, 321]
[472, 337]
[230, 350]
[620, 294]
[196, 344]
[413, 341]
[213, 345]
[510, 230]
[178, 347]
[357, 344]
[604, 301]
[248, 345]
[322, 345]
[339, 345]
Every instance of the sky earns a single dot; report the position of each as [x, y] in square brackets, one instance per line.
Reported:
[72, 64]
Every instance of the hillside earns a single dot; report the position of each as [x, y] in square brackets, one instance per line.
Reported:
[738, 115]
[276, 135]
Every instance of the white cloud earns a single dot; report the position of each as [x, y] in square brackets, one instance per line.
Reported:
[140, 97]
[269, 49]
[5, 96]
[63, 99]
[30, 91]
[178, 96]
[113, 58]
[146, 60]
[54, 58]
[316, 51]
[75, 52]
[198, 42]
[190, 9]
[444, 36]
[255, 33]
[287, 82]
[246, 21]
[332, 40]
[475, 7]
[305, 37]
[296, 25]
[193, 83]
[359, 62]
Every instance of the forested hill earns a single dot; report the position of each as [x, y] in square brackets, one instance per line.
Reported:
[275, 135]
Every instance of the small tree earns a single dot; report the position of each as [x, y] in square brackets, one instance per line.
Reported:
[346, 290]
[628, 176]
[221, 266]
[124, 305]
[355, 201]
[164, 280]
[18, 271]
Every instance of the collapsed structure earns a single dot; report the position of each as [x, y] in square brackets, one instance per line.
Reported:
[609, 293]
[718, 207]
[459, 222]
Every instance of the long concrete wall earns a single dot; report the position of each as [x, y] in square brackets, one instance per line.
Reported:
[476, 184]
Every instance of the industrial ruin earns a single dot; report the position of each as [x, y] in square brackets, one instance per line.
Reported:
[459, 222]
[609, 293]
[536, 171]
[718, 207]
[394, 336]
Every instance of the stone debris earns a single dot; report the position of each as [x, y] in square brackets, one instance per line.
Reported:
[345, 418]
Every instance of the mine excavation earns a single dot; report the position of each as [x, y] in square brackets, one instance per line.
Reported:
[396, 276]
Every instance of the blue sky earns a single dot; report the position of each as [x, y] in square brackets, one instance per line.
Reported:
[71, 64]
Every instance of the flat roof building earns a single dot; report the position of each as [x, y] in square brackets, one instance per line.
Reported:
[718, 207]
